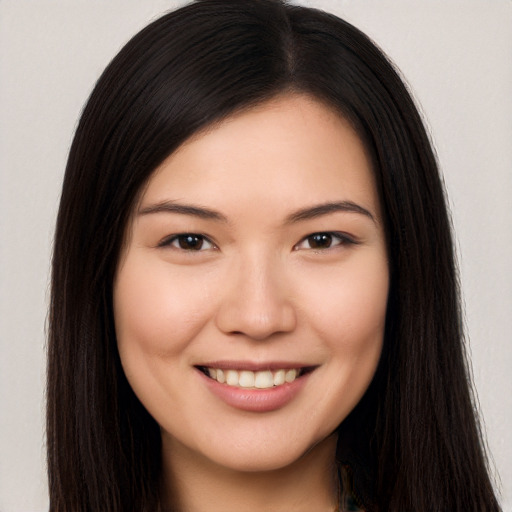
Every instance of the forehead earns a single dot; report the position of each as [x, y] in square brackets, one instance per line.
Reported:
[286, 151]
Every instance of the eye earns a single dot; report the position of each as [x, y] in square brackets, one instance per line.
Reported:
[326, 240]
[191, 242]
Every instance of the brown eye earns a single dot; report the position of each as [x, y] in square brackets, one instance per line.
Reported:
[320, 241]
[189, 242]
[325, 240]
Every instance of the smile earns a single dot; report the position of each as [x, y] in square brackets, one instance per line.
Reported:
[247, 379]
[255, 387]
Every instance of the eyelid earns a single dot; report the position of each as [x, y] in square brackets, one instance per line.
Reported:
[169, 240]
[339, 239]
[342, 239]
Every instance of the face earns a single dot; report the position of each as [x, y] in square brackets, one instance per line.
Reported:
[250, 298]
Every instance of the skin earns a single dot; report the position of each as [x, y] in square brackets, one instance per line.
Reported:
[256, 288]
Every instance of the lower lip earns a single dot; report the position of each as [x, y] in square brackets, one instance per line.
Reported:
[256, 400]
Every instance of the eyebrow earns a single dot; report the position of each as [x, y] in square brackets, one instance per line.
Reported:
[303, 214]
[313, 212]
[184, 209]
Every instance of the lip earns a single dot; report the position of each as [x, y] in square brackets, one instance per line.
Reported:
[255, 400]
[254, 366]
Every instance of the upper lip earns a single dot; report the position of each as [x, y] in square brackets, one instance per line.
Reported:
[254, 366]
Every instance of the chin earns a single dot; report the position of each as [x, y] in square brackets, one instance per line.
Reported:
[260, 462]
[272, 453]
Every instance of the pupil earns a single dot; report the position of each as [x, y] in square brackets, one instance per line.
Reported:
[191, 242]
[320, 241]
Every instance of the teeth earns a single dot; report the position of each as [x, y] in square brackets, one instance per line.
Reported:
[263, 380]
[247, 379]
[290, 375]
[279, 377]
[232, 378]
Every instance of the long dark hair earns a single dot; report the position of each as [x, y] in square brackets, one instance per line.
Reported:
[413, 443]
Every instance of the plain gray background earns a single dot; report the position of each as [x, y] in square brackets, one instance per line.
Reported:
[457, 57]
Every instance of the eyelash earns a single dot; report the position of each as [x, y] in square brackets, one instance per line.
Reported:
[331, 236]
[178, 241]
[175, 242]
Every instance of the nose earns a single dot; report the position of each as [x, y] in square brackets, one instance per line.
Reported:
[257, 301]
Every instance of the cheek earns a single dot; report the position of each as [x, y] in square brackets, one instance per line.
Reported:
[156, 312]
[350, 308]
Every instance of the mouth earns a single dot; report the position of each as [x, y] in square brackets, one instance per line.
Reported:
[247, 379]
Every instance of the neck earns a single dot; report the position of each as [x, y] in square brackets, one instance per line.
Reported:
[193, 484]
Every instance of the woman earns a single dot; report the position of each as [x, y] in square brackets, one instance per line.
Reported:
[254, 296]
